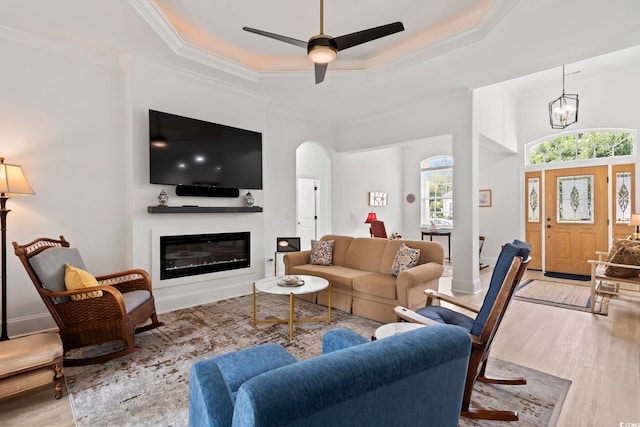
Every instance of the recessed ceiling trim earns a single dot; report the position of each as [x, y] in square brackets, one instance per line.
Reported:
[150, 12]
[375, 67]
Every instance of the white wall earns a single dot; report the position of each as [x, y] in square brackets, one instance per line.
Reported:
[313, 161]
[412, 155]
[355, 175]
[63, 120]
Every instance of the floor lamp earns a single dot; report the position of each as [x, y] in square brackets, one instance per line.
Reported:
[12, 183]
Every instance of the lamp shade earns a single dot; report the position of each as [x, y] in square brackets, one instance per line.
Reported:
[635, 220]
[287, 244]
[12, 181]
[371, 217]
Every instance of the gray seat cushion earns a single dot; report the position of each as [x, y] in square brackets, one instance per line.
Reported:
[134, 298]
[49, 265]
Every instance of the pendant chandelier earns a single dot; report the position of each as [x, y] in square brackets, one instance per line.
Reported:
[564, 110]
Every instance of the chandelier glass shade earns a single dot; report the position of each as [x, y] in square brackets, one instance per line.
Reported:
[564, 110]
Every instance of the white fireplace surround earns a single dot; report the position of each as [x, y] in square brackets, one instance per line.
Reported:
[156, 233]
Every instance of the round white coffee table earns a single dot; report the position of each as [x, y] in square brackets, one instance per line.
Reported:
[390, 329]
[311, 284]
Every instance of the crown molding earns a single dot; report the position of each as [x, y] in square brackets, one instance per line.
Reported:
[58, 48]
[202, 78]
[373, 68]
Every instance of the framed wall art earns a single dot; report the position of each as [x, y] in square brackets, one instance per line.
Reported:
[485, 198]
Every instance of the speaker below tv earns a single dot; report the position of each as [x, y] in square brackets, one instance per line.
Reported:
[203, 191]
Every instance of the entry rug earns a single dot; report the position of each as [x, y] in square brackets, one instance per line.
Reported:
[150, 387]
[561, 294]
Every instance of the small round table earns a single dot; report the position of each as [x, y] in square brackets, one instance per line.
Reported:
[390, 329]
[311, 284]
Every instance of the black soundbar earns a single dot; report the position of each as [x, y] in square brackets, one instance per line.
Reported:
[203, 191]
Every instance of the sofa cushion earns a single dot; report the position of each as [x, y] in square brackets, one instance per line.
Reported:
[322, 252]
[405, 259]
[429, 252]
[378, 284]
[365, 254]
[340, 247]
[339, 277]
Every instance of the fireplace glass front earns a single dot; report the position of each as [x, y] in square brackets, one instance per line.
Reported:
[194, 254]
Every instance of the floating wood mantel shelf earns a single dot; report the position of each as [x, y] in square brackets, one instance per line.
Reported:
[202, 209]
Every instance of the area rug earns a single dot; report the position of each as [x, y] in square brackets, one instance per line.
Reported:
[561, 294]
[150, 387]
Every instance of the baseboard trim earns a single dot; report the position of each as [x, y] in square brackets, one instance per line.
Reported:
[41, 322]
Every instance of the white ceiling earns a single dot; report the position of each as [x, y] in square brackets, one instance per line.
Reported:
[447, 45]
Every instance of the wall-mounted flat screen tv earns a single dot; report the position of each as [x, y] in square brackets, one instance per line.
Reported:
[185, 151]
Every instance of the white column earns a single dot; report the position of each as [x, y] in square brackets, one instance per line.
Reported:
[464, 240]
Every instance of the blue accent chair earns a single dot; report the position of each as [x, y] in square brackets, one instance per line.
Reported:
[415, 378]
[510, 267]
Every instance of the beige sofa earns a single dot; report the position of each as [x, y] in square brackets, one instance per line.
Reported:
[361, 278]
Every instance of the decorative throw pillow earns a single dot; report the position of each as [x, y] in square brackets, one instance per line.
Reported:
[405, 259]
[616, 244]
[76, 278]
[322, 252]
[626, 254]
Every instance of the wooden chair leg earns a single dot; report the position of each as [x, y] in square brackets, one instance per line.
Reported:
[498, 380]
[486, 414]
[58, 380]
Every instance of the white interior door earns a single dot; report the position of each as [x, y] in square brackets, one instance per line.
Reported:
[307, 211]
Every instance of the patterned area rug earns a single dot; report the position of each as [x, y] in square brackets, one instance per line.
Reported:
[561, 294]
[150, 387]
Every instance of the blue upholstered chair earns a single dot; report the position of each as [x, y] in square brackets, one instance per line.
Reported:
[510, 267]
[411, 379]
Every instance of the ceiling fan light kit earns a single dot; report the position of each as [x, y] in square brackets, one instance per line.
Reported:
[322, 48]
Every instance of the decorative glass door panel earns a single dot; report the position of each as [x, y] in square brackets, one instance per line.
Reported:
[623, 197]
[575, 199]
[533, 194]
[533, 214]
[622, 200]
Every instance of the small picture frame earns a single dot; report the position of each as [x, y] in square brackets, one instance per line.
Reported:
[378, 198]
[484, 200]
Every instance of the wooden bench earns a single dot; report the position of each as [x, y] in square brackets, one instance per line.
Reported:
[31, 362]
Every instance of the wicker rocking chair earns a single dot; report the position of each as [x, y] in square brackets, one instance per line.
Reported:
[126, 302]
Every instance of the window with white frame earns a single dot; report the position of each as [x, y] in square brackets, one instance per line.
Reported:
[436, 181]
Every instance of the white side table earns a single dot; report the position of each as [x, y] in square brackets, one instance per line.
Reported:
[311, 284]
[390, 329]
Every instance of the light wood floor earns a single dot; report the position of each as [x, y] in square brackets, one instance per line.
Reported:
[599, 354]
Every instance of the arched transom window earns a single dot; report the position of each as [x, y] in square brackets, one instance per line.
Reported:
[581, 146]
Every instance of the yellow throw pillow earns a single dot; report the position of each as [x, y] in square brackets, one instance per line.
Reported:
[75, 278]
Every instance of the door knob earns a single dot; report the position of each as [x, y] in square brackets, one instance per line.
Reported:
[548, 226]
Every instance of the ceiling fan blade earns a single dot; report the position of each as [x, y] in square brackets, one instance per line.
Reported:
[321, 70]
[364, 36]
[285, 39]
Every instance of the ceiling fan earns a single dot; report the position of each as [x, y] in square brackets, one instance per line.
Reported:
[323, 48]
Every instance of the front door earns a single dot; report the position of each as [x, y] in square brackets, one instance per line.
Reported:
[575, 218]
